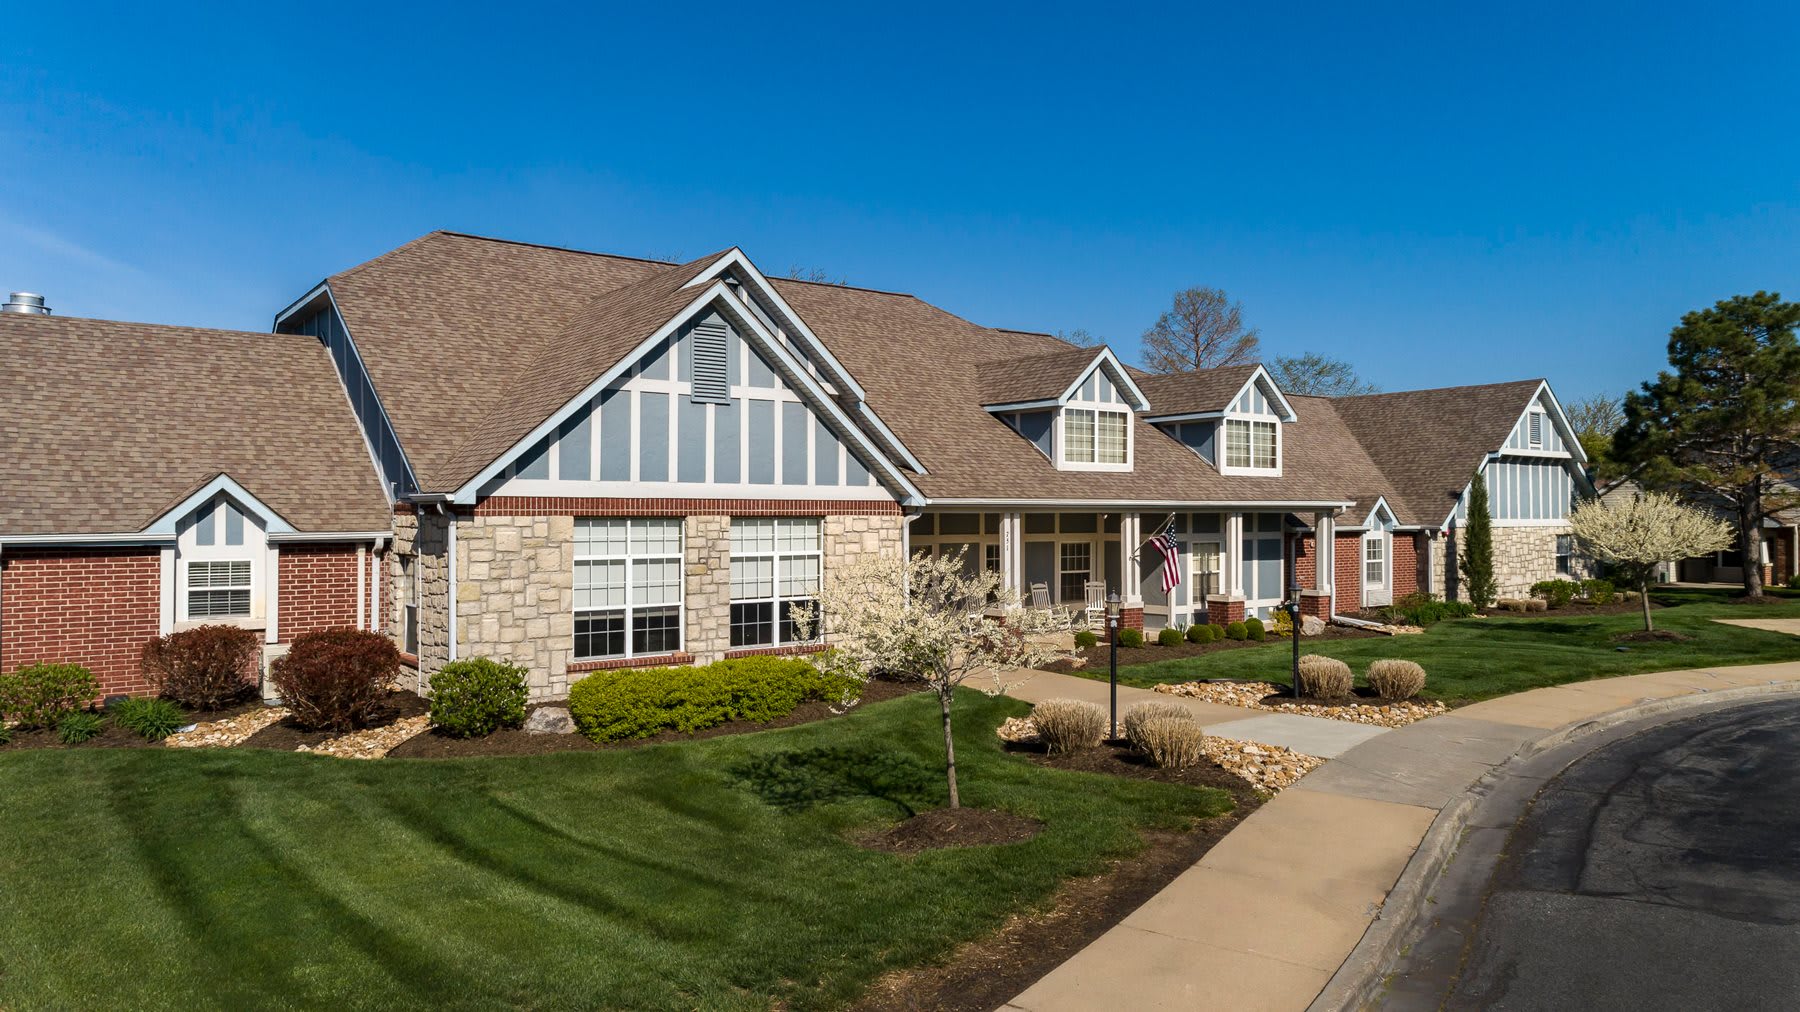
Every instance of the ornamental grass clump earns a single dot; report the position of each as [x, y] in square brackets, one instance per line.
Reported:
[1173, 743]
[203, 668]
[1324, 677]
[1067, 725]
[1135, 718]
[79, 726]
[1396, 679]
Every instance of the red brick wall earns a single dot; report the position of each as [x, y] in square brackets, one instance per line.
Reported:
[1406, 564]
[1349, 573]
[90, 606]
[1224, 612]
[1306, 563]
[317, 589]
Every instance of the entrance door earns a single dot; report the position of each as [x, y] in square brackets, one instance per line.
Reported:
[1378, 584]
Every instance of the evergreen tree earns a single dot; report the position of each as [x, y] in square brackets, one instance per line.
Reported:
[1478, 546]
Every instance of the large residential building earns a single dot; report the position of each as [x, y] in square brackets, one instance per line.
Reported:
[576, 462]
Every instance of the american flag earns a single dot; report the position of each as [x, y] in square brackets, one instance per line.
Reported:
[1171, 553]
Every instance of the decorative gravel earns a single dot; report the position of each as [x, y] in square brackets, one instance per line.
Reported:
[228, 732]
[1250, 695]
[372, 743]
[1264, 767]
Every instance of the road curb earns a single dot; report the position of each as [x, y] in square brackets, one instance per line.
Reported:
[1401, 920]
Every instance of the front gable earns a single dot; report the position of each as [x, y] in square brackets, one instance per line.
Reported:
[1543, 430]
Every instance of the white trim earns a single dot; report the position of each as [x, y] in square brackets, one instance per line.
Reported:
[450, 564]
[362, 590]
[303, 537]
[272, 592]
[1063, 463]
[1380, 506]
[133, 538]
[1536, 454]
[1286, 413]
[166, 590]
[1222, 443]
[1561, 420]
[1045, 404]
[1120, 378]
[272, 523]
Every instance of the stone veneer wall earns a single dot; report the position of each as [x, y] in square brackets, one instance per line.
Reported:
[428, 538]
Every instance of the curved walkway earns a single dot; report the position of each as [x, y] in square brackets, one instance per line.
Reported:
[1267, 918]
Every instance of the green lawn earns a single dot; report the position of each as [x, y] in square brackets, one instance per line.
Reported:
[1476, 658]
[711, 874]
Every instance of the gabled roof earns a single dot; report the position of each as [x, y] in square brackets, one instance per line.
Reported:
[1051, 377]
[1429, 442]
[109, 425]
[1196, 392]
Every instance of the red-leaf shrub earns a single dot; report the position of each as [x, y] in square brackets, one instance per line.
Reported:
[204, 668]
[334, 679]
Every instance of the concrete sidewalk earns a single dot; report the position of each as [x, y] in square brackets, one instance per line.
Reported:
[1266, 918]
[1311, 735]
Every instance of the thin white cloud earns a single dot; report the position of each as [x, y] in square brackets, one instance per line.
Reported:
[67, 249]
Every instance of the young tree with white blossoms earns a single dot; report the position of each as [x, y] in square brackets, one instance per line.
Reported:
[1638, 534]
[928, 620]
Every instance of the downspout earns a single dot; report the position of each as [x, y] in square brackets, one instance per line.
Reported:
[450, 591]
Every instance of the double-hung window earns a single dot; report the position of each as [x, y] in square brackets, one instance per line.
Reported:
[1250, 444]
[218, 589]
[1565, 547]
[775, 568]
[1374, 560]
[628, 587]
[1075, 569]
[1094, 437]
[409, 576]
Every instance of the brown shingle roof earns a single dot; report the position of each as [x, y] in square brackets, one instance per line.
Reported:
[108, 425]
[1033, 377]
[1195, 392]
[1429, 442]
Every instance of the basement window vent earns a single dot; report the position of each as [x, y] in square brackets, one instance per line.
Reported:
[712, 378]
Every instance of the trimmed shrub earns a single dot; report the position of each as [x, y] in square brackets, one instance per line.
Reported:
[1254, 628]
[1215, 632]
[1170, 638]
[38, 695]
[1237, 631]
[1396, 679]
[1065, 725]
[154, 719]
[1283, 625]
[474, 698]
[79, 726]
[640, 702]
[1132, 724]
[1131, 637]
[1172, 743]
[1324, 677]
[1599, 591]
[1556, 593]
[334, 679]
[1423, 609]
[203, 668]
[1793, 582]
[1198, 633]
[1086, 640]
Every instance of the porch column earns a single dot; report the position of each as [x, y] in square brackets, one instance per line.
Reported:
[1131, 538]
[1316, 600]
[1012, 552]
[1234, 555]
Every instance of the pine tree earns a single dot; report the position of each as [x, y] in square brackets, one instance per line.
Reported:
[1478, 546]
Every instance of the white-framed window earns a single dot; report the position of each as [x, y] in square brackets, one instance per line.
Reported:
[1093, 436]
[776, 565]
[1075, 567]
[1252, 445]
[218, 588]
[1374, 561]
[628, 587]
[409, 625]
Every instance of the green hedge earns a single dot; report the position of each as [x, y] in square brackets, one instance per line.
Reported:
[1422, 609]
[640, 702]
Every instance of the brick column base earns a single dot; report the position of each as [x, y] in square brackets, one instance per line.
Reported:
[1316, 603]
[1131, 618]
[1222, 612]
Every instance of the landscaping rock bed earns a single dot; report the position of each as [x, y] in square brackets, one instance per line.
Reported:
[1267, 768]
[229, 731]
[1274, 698]
[373, 743]
[285, 735]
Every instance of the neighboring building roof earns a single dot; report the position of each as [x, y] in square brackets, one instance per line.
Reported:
[108, 425]
[1429, 442]
[1197, 392]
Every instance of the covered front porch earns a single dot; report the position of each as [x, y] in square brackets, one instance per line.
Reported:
[1234, 564]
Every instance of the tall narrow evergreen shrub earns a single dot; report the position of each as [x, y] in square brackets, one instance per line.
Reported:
[1478, 546]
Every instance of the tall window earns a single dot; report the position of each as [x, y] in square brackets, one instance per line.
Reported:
[218, 589]
[775, 567]
[628, 587]
[1074, 572]
[1565, 545]
[1094, 437]
[1250, 444]
[1374, 561]
[409, 575]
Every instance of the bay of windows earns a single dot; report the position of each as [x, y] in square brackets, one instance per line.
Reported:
[776, 564]
[1250, 444]
[628, 587]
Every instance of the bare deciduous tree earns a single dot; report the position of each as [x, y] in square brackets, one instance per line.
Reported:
[1081, 337]
[1319, 376]
[929, 620]
[1203, 330]
[816, 275]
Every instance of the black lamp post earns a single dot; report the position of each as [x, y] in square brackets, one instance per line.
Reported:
[1112, 634]
[1292, 607]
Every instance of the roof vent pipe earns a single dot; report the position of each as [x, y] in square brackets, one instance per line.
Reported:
[27, 303]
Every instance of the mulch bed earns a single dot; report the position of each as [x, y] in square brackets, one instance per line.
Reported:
[954, 827]
[114, 736]
[286, 735]
[989, 972]
[434, 744]
[1651, 636]
[1151, 652]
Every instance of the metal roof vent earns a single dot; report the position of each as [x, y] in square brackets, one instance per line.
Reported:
[28, 303]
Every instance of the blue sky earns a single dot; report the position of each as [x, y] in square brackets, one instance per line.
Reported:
[1436, 193]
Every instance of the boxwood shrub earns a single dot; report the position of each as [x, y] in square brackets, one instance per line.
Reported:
[640, 702]
[1085, 639]
[474, 698]
[1254, 629]
[1237, 631]
[1131, 637]
[1199, 632]
[1170, 637]
[38, 695]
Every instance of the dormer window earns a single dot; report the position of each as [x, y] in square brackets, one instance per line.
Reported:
[1092, 436]
[1252, 445]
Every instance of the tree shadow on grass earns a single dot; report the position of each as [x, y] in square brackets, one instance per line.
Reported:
[797, 781]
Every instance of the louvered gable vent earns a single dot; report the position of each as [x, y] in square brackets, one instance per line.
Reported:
[712, 378]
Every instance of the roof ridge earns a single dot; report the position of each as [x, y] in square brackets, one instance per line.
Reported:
[564, 249]
[1433, 390]
[59, 318]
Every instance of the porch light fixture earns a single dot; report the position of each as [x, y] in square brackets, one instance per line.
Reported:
[1113, 610]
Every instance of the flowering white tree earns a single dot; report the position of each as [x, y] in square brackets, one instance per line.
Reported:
[1638, 534]
[928, 620]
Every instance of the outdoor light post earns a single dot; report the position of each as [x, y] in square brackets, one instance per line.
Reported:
[1292, 607]
[1112, 633]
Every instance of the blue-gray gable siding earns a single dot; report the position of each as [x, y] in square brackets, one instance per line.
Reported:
[390, 459]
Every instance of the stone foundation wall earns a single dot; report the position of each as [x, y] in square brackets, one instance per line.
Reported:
[1525, 555]
[431, 567]
[515, 600]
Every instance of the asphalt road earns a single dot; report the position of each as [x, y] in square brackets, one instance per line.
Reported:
[1660, 872]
